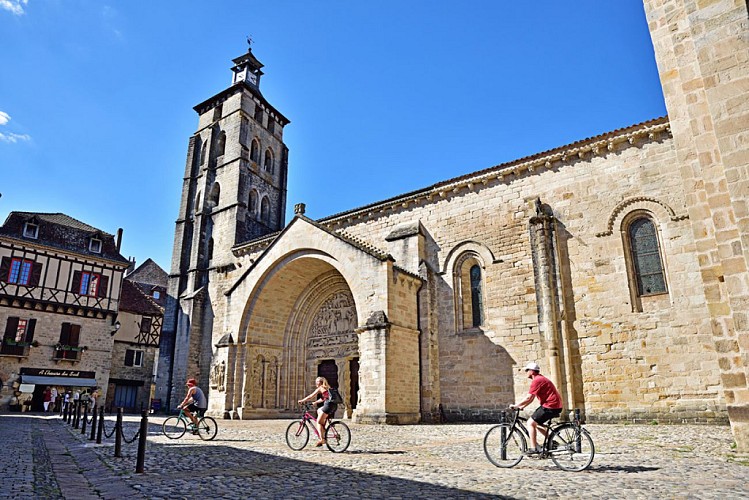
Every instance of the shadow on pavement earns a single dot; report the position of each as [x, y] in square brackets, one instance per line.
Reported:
[630, 469]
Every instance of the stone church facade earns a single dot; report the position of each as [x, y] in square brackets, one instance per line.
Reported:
[618, 263]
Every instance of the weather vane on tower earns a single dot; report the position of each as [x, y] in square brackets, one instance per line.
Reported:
[249, 42]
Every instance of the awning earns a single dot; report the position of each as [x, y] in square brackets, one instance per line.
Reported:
[67, 381]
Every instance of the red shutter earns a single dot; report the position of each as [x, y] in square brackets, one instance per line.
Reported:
[65, 334]
[103, 284]
[76, 286]
[75, 335]
[11, 328]
[36, 274]
[4, 269]
[30, 326]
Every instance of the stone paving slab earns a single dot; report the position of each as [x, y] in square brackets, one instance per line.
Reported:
[250, 459]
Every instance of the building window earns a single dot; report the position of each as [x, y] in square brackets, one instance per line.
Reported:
[258, 114]
[252, 203]
[134, 357]
[94, 245]
[156, 294]
[68, 346]
[203, 151]
[221, 147]
[89, 284]
[265, 210]
[20, 271]
[255, 151]
[31, 230]
[271, 124]
[645, 253]
[214, 196]
[477, 305]
[468, 282]
[18, 336]
[145, 325]
[268, 161]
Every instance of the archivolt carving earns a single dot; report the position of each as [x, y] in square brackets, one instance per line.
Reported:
[646, 202]
[332, 329]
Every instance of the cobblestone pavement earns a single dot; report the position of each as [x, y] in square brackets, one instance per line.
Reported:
[45, 458]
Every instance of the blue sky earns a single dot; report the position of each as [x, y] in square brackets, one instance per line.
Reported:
[384, 97]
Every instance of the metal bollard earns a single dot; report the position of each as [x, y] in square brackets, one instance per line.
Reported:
[77, 419]
[65, 412]
[85, 417]
[141, 461]
[93, 424]
[118, 434]
[100, 429]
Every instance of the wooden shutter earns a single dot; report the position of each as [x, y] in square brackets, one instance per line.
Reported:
[75, 335]
[129, 354]
[11, 328]
[36, 274]
[30, 326]
[65, 334]
[4, 269]
[103, 283]
[76, 286]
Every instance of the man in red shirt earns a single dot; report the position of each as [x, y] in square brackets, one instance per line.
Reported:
[551, 403]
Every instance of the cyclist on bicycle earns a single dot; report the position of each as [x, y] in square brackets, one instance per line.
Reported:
[325, 410]
[194, 401]
[548, 396]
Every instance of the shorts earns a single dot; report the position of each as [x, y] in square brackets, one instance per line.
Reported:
[329, 409]
[193, 408]
[543, 415]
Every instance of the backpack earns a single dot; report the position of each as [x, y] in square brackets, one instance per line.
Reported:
[334, 397]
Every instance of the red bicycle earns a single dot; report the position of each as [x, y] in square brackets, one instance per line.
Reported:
[337, 434]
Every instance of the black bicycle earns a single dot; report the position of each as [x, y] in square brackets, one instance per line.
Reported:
[567, 444]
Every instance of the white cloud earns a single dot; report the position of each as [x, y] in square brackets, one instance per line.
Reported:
[4, 117]
[13, 6]
[13, 138]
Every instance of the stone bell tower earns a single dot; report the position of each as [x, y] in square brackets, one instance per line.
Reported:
[233, 190]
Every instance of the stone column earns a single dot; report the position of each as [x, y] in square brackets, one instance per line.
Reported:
[542, 235]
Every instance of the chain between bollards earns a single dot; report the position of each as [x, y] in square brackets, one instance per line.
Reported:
[141, 461]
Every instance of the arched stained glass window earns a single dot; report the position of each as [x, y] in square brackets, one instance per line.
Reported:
[646, 257]
[477, 306]
[265, 210]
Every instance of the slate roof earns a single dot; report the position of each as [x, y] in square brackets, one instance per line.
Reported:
[132, 299]
[60, 231]
[149, 273]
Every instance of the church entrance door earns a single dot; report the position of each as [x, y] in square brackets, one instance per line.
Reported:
[329, 370]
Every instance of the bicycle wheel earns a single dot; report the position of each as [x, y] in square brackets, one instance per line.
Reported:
[174, 427]
[337, 437]
[207, 428]
[504, 446]
[571, 447]
[297, 435]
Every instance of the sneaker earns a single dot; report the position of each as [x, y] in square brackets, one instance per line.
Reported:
[195, 432]
[533, 451]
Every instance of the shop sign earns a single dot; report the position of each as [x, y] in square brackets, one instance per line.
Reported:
[51, 372]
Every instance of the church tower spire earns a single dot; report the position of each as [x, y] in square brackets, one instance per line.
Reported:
[233, 191]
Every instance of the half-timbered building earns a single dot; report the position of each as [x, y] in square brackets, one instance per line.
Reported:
[136, 343]
[60, 282]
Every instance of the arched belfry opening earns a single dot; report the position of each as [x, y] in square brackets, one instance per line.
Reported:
[300, 316]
